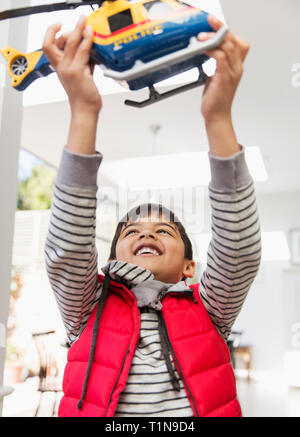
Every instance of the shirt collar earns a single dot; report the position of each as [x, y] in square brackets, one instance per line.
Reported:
[124, 272]
[132, 275]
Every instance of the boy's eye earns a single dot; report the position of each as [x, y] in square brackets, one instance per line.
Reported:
[129, 232]
[163, 231]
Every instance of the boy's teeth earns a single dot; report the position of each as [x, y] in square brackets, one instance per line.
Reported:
[147, 250]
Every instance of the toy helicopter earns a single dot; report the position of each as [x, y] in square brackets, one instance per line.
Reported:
[137, 43]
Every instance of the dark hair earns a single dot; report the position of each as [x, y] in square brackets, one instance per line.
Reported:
[145, 210]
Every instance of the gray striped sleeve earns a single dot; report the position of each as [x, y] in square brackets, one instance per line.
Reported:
[234, 252]
[70, 252]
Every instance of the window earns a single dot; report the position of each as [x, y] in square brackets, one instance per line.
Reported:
[157, 9]
[120, 20]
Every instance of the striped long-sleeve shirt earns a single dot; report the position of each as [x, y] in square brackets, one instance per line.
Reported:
[71, 260]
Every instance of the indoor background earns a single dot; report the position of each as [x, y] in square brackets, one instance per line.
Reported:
[266, 119]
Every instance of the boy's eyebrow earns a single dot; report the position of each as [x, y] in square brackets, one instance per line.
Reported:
[156, 224]
[167, 224]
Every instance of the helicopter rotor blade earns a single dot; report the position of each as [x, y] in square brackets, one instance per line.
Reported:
[21, 12]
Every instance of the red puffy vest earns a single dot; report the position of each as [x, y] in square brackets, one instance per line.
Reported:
[199, 353]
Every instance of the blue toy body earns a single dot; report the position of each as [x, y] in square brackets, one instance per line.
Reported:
[137, 43]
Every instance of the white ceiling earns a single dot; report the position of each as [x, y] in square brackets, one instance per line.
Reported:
[266, 110]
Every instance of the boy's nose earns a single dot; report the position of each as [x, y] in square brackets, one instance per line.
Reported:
[147, 234]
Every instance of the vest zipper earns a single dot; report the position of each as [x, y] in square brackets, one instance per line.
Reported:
[117, 380]
[164, 327]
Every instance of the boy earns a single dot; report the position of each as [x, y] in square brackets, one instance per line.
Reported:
[143, 343]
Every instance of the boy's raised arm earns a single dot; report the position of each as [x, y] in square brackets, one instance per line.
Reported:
[70, 252]
[235, 249]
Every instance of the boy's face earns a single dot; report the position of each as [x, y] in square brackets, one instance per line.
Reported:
[155, 244]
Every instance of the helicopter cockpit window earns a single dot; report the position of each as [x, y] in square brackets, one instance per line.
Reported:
[156, 9]
[120, 20]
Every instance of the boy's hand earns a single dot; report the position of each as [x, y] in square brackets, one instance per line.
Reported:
[69, 55]
[220, 89]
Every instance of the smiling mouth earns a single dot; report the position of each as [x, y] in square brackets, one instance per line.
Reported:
[147, 251]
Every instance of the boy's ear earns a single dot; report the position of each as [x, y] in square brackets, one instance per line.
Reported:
[189, 268]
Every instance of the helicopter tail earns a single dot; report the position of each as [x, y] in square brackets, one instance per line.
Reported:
[24, 68]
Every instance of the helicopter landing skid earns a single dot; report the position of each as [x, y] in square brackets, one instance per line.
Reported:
[155, 96]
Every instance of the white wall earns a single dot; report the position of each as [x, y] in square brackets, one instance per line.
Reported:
[14, 33]
[271, 308]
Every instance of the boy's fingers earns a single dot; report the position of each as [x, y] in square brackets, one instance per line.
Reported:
[227, 46]
[83, 53]
[61, 41]
[49, 45]
[243, 46]
[74, 40]
[203, 36]
[235, 47]
[233, 54]
[221, 58]
[215, 23]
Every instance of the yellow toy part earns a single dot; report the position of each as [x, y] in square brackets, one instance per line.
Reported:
[20, 64]
[141, 26]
